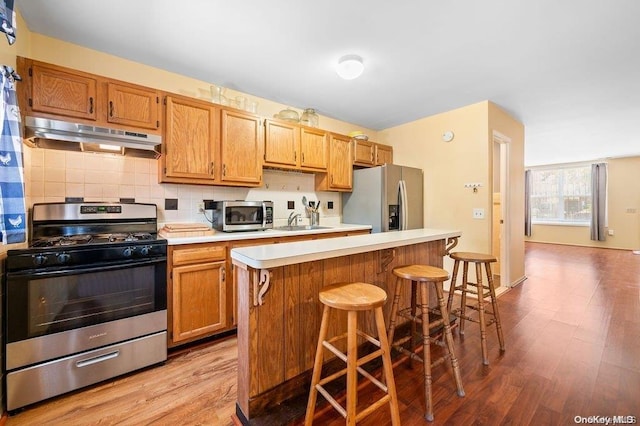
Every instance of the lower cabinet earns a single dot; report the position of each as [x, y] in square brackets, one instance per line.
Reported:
[201, 293]
[197, 292]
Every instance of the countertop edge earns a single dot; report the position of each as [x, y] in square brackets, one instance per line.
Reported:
[270, 256]
[254, 235]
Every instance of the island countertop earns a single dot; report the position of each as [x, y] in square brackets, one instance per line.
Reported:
[272, 256]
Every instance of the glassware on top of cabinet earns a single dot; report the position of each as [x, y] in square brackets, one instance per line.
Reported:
[217, 95]
[309, 118]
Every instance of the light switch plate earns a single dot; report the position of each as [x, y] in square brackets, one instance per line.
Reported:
[478, 213]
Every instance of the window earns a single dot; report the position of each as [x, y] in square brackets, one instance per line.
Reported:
[561, 195]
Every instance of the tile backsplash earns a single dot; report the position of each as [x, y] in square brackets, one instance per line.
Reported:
[52, 176]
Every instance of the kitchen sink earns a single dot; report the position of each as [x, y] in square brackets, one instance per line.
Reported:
[299, 227]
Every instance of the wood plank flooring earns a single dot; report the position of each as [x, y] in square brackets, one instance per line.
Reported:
[572, 332]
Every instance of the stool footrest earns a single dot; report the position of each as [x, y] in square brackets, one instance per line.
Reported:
[457, 312]
[406, 313]
[486, 293]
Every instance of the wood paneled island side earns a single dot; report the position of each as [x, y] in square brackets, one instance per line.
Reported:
[279, 312]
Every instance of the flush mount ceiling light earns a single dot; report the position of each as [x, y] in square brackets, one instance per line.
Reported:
[350, 67]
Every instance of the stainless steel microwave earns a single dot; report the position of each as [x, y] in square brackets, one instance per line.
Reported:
[229, 216]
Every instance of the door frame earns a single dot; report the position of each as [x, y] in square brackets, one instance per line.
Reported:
[503, 143]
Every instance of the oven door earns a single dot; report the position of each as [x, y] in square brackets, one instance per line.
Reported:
[52, 314]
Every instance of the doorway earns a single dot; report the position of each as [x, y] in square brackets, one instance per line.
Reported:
[500, 210]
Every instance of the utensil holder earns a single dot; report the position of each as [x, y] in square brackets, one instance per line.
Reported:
[315, 218]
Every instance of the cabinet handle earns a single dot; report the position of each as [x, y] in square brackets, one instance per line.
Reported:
[110, 108]
[91, 105]
[331, 179]
[295, 155]
[212, 168]
[303, 157]
[372, 156]
[223, 270]
[224, 170]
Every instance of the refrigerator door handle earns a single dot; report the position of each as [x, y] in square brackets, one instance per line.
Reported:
[404, 205]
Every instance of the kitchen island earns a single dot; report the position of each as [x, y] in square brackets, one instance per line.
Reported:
[279, 312]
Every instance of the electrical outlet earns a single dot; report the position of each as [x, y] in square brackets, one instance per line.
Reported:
[201, 207]
[299, 219]
[478, 213]
[611, 232]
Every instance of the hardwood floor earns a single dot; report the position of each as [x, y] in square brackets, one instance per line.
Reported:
[572, 333]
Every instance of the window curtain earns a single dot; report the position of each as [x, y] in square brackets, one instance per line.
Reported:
[12, 204]
[598, 201]
[527, 203]
[8, 19]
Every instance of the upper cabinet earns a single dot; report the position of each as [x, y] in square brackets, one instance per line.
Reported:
[339, 175]
[58, 92]
[384, 154]
[133, 105]
[191, 136]
[241, 137]
[295, 147]
[368, 154]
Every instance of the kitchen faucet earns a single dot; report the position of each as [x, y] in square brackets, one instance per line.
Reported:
[292, 218]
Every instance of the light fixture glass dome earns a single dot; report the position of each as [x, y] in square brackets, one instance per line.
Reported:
[350, 67]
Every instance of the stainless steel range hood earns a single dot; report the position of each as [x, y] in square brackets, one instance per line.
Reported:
[69, 136]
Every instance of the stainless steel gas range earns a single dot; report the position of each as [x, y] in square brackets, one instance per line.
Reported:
[86, 301]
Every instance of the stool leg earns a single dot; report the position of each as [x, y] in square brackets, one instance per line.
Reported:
[317, 368]
[452, 285]
[426, 351]
[448, 338]
[494, 305]
[388, 367]
[412, 341]
[463, 303]
[394, 310]
[352, 372]
[483, 326]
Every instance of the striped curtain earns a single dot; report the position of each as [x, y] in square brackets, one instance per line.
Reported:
[598, 201]
[12, 203]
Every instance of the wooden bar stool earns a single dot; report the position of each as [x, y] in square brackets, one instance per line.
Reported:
[424, 275]
[353, 297]
[481, 291]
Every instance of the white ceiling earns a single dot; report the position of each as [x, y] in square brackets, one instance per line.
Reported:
[568, 70]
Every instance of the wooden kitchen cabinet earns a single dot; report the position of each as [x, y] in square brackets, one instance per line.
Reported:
[60, 91]
[281, 144]
[133, 105]
[384, 154]
[295, 147]
[189, 149]
[313, 149]
[197, 292]
[339, 176]
[241, 137]
[363, 153]
[54, 92]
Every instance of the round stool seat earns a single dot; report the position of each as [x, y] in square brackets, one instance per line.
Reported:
[423, 273]
[472, 257]
[353, 296]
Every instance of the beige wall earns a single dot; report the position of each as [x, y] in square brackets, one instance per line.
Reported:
[466, 159]
[623, 206]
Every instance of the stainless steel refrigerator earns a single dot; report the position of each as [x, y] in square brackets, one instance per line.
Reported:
[389, 198]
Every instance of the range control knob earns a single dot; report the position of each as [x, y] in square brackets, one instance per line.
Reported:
[128, 252]
[63, 258]
[39, 259]
[145, 250]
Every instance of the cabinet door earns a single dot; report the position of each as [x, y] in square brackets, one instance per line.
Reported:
[189, 146]
[60, 92]
[199, 300]
[384, 154]
[313, 149]
[340, 163]
[363, 152]
[241, 148]
[281, 144]
[133, 106]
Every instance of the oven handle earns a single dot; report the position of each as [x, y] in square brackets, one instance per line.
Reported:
[82, 270]
[97, 359]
